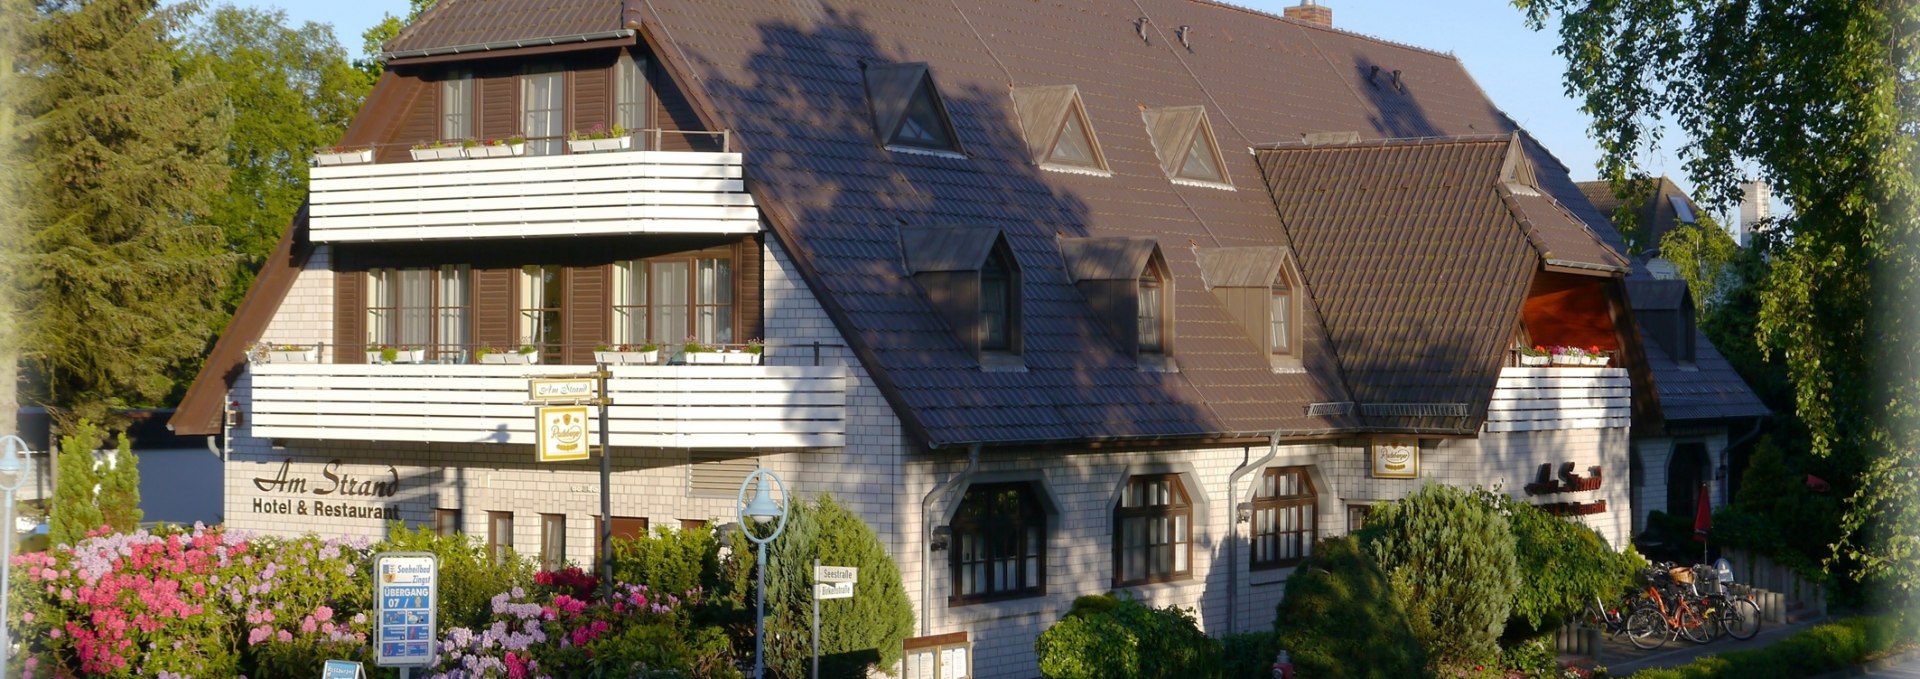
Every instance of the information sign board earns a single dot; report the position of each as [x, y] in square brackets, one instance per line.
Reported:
[406, 589]
[342, 669]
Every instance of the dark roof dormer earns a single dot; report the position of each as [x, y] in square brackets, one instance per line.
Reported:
[970, 276]
[1127, 284]
[1260, 287]
[907, 111]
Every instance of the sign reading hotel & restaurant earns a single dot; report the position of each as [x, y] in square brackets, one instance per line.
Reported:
[406, 586]
[1396, 458]
[562, 433]
[337, 491]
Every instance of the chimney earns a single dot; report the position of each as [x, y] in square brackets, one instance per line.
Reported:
[1311, 13]
[1756, 198]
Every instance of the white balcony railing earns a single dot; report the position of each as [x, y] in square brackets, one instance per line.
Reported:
[622, 193]
[1539, 399]
[722, 406]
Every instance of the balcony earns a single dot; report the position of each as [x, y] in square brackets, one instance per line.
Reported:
[668, 406]
[620, 193]
[1541, 399]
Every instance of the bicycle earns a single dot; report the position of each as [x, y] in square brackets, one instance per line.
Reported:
[1650, 627]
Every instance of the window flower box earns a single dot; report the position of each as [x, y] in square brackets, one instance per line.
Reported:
[736, 357]
[327, 158]
[525, 356]
[599, 145]
[627, 357]
[501, 150]
[294, 355]
[393, 355]
[438, 153]
[1535, 360]
[706, 357]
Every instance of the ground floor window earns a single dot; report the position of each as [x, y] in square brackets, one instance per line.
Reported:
[624, 528]
[1284, 521]
[1153, 531]
[499, 535]
[553, 542]
[446, 521]
[999, 543]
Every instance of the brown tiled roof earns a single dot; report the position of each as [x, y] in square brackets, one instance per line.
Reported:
[1709, 389]
[469, 23]
[1656, 216]
[1418, 264]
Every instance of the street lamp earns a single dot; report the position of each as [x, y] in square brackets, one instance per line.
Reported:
[763, 508]
[12, 471]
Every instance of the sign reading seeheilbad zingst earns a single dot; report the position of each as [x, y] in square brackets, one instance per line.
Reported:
[337, 491]
[406, 586]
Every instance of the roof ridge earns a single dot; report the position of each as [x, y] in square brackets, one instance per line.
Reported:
[1330, 29]
[1390, 141]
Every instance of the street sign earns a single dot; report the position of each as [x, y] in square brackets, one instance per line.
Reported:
[548, 389]
[562, 433]
[838, 590]
[342, 669]
[406, 589]
[836, 574]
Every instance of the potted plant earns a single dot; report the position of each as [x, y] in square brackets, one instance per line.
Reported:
[748, 354]
[1564, 355]
[341, 154]
[293, 353]
[1597, 357]
[496, 148]
[1537, 356]
[627, 354]
[599, 138]
[525, 355]
[696, 352]
[439, 149]
[387, 353]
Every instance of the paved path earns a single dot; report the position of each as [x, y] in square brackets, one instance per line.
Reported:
[1622, 659]
[1906, 670]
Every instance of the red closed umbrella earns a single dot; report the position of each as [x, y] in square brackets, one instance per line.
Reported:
[1703, 520]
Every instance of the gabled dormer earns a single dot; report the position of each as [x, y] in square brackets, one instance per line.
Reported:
[908, 113]
[1184, 142]
[1127, 284]
[1261, 288]
[970, 276]
[1059, 135]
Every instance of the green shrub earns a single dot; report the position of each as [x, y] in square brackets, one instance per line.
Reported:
[1248, 655]
[1449, 557]
[1565, 564]
[76, 508]
[669, 559]
[855, 634]
[1341, 619]
[468, 576]
[1825, 648]
[1122, 638]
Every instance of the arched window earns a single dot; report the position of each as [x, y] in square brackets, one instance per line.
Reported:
[999, 543]
[1153, 316]
[1153, 531]
[1284, 518]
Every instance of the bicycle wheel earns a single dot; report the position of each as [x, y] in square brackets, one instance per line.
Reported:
[1647, 630]
[1691, 625]
[1740, 619]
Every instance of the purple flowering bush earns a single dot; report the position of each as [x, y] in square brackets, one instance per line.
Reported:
[176, 603]
[557, 630]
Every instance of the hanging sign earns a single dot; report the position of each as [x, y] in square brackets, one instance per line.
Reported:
[546, 389]
[1396, 458]
[562, 433]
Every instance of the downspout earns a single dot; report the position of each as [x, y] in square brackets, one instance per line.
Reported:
[1233, 524]
[926, 533]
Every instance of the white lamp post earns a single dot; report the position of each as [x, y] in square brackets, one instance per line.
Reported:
[12, 472]
[763, 508]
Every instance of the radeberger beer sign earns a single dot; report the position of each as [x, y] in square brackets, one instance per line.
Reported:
[1396, 458]
[563, 433]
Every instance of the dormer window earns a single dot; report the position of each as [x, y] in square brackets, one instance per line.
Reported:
[970, 276]
[1125, 281]
[907, 110]
[1059, 135]
[1184, 142]
[1250, 280]
[1280, 327]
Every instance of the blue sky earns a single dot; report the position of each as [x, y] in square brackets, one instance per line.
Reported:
[1514, 65]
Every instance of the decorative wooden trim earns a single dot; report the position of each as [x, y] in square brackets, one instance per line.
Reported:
[1573, 483]
[1575, 508]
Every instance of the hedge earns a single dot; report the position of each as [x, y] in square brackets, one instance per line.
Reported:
[1833, 646]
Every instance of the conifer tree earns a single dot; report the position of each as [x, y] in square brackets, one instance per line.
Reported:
[76, 507]
[119, 499]
[120, 274]
[13, 25]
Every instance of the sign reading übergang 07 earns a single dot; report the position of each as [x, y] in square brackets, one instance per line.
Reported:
[406, 587]
[562, 433]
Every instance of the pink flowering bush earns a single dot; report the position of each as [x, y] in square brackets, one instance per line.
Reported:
[563, 628]
[205, 603]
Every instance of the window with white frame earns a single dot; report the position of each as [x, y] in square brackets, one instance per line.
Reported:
[422, 308]
[1152, 319]
[1153, 539]
[541, 292]
[666, 301]
[456, 105]
[630, 103]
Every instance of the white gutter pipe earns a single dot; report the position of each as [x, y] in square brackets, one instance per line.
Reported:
[926, 534]
[1233, 524]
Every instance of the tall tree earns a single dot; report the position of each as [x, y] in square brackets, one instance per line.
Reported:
[119, 494]
[377, 36]
[1822, 98]
[292, 91]
[122, 270]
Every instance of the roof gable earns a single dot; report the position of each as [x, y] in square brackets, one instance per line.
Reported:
[907, 108]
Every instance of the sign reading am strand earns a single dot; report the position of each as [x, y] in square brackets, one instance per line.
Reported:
[337, 492]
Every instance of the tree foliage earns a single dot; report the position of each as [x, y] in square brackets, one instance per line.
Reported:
[1566, 564]
[292, 91]
[121, 269]
[1109, 637]
[855, 634]
[119, 495]
[1704, 256]
[1340, 618]
[377, 36]
[1449, 557]
[14, 18]
[1822, 99]
[76, 505]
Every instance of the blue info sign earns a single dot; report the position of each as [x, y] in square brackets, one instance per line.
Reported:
[405, 589]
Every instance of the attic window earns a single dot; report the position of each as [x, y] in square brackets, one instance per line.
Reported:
[1260, 288]
[1126, 283]
[971, 278]
[1681, 210]
[907, 109]
[1184, 142]
[996, 302]
[1280, 313]
[1152, 320]
[1059, 135]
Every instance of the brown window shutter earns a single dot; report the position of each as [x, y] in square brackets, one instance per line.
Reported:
[350, 317]
[586, 311]
[592, 95]
[499, 105]
[493, 308]
[750, 317]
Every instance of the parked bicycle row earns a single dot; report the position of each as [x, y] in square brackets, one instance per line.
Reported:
[1699, 602]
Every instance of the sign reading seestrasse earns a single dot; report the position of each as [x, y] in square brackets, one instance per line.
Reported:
[836, 574]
